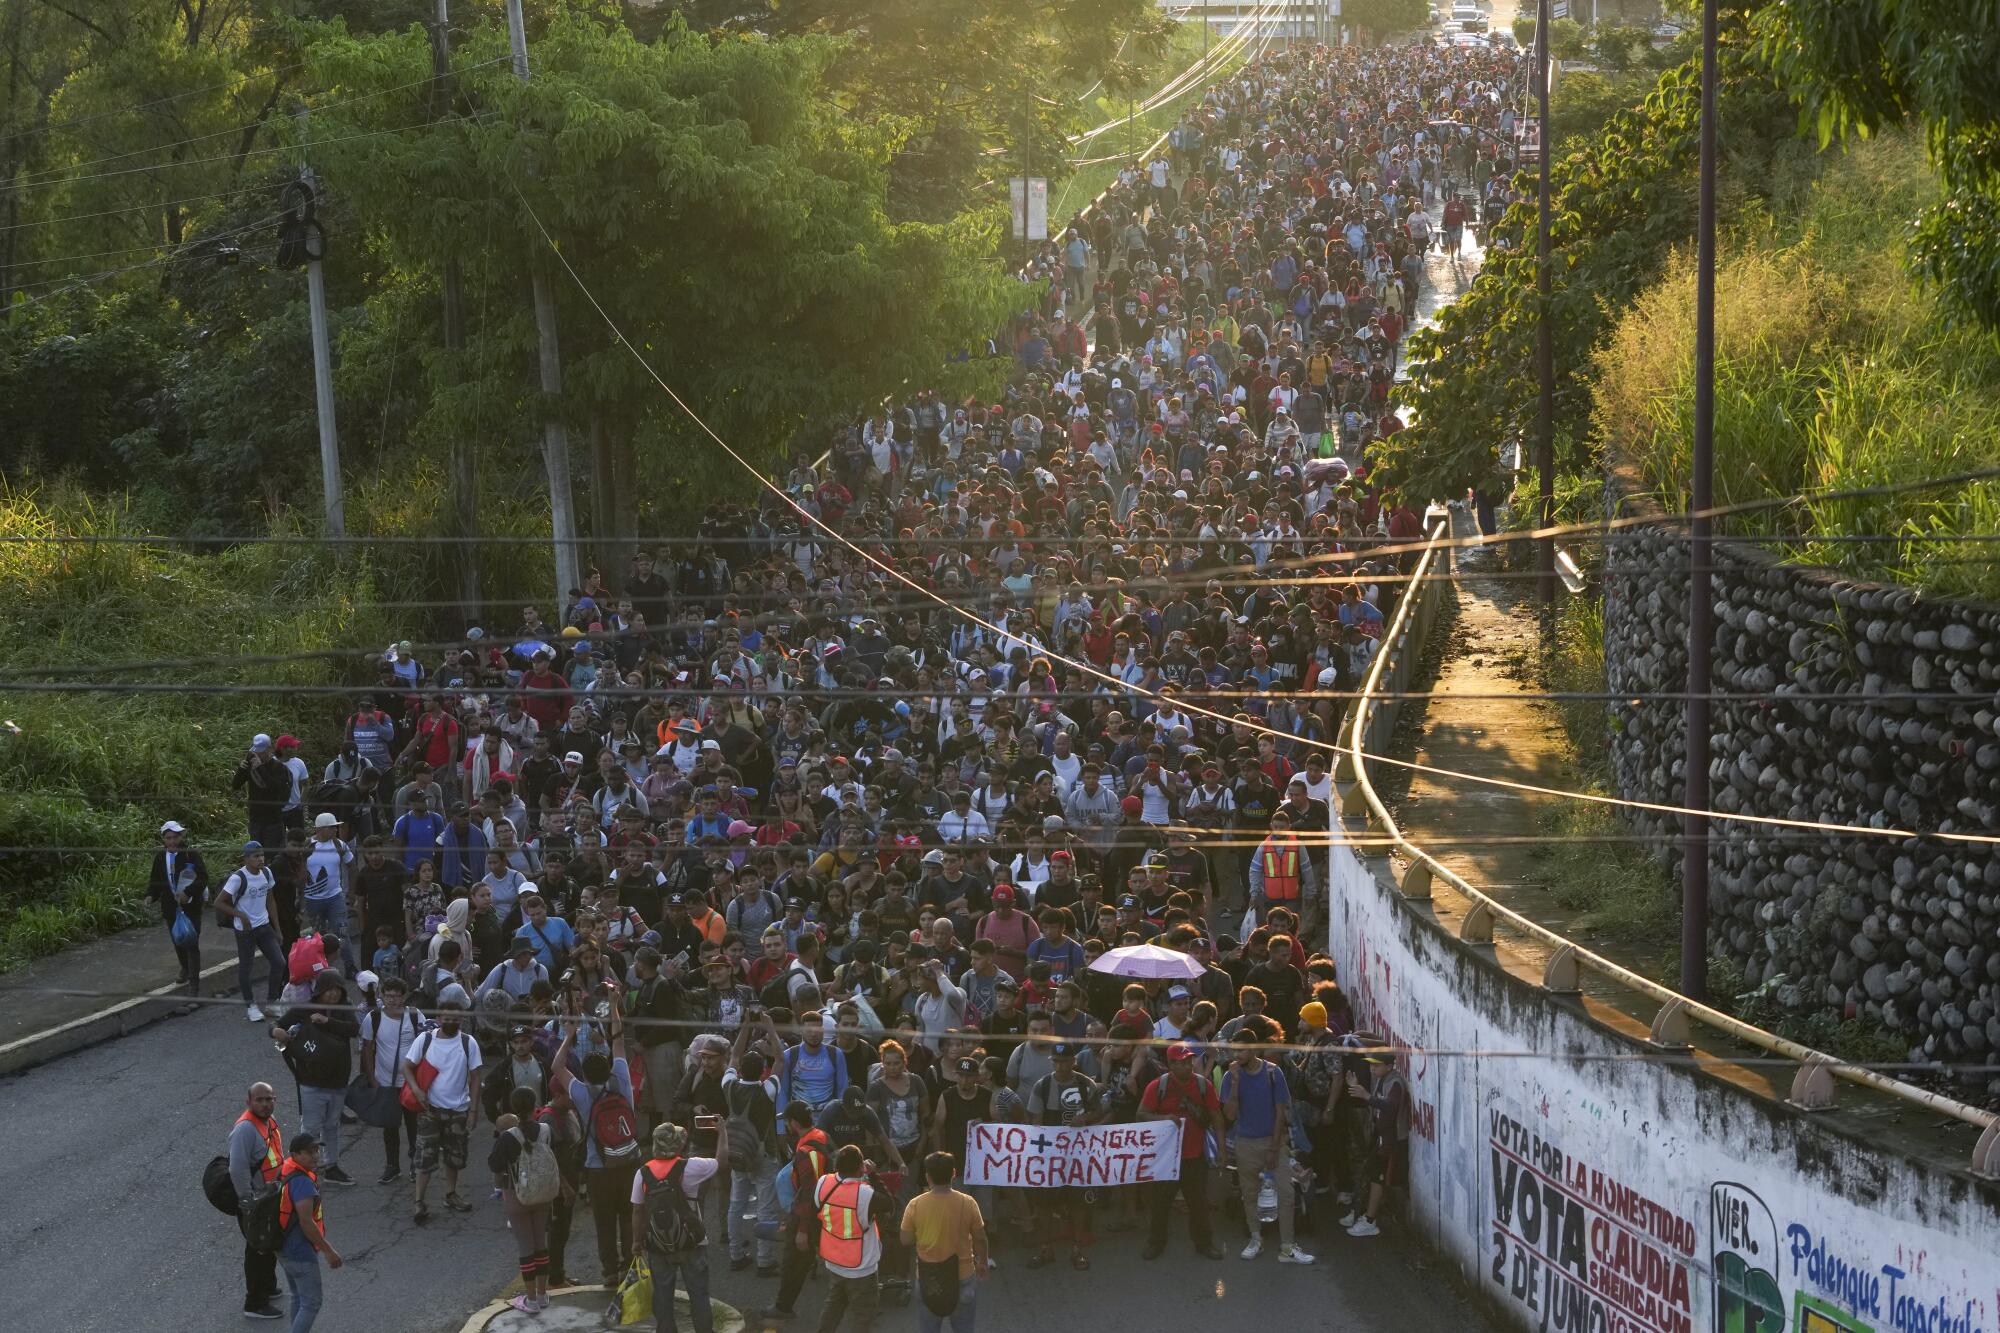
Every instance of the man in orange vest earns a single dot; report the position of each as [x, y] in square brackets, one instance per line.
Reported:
[812, 1160]
[302, 1222]
[849, 1242]
[256, 1155]
[1281, 874]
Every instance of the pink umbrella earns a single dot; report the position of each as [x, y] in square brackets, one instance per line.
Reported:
[1147, 962]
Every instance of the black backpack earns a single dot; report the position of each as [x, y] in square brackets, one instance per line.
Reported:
[263, 1226]
[672, 1225]
[218, 1188]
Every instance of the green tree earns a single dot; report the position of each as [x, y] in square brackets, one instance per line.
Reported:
[730, 219]
[1617, 46]
[1855, 69]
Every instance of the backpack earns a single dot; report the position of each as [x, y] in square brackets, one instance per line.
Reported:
[218, 1188]
[263, 1224]
[613, 1127]
[746, 1145]
[672, 1227]
[537, 1177]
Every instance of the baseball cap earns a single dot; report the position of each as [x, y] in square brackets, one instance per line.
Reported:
[172, 826]
[302, 1142]
[263, 742]
[1061, 856]
[1065, 1050]
[252, 846]
[1131, 805]
[1003, 893]
[1179, 993]
[521, 944]
[967, 1065]
[935, 856]
[1054, 824]
[1178, 1052]
[1128, 901]
[326, 819]
[573, 757]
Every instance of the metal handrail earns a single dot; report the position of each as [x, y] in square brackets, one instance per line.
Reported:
[1986, 1156]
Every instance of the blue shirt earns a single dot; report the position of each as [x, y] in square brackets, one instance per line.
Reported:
[461, 856]
[814, 1078]
[303, 1192]
[419, 835]
[580, 1093]
[553, 934]
[1258, 1097]
[1065, 960]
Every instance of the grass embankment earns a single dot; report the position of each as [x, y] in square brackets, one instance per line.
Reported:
[93, 773]
[1092, 179]
[1833, 372]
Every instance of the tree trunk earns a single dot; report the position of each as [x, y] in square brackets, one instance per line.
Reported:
[462, 516]
[555, 437]
[603, 493]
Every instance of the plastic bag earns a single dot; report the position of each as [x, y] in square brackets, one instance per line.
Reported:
[1248, 925]
[183, 932]
[632, 1303]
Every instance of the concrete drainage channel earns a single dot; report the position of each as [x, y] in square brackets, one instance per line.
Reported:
[100, 1025]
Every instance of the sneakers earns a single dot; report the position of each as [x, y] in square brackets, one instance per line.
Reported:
[390, 1175]
[256, 1015]
[264, 1311]
[1292, 1254]
[738, 1263]
[337, 1176]
[1364, 1228]
[1253, 1249]
[1353, 1216]
[1210, 1251]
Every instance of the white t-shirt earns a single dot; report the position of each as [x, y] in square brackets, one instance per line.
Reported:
[393, 1038]
[700, 1170]
[323, 869]
[300, 776]
[454, 1058]
[251, 893]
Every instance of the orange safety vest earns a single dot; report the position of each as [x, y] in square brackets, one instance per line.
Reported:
[273, 1153]
[712, 925]
[842, 1238]
[1281, 872]
[291, 1169]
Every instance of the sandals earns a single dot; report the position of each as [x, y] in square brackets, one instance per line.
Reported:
[1079, 1260]
[456, 1204]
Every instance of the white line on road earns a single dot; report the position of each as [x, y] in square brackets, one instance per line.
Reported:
[157, 993]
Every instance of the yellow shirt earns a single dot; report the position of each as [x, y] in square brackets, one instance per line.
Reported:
[944, 1225]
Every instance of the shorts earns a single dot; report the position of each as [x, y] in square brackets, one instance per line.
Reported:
[1389, 1163]
[441, 1134]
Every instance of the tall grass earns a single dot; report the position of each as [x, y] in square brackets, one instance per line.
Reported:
[101, 769]
[1833, 373]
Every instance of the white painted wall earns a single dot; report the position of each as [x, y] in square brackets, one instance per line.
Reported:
[1596, 1190]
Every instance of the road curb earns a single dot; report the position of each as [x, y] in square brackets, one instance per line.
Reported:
[108, 1024]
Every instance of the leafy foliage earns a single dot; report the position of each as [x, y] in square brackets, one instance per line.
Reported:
[1622, 201]
[1859, 68]
[1385, 18]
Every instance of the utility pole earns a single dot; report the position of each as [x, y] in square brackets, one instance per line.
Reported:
[1701, 498]
[1545, 339]
[329, 437]
[463, 482]
[555, 435]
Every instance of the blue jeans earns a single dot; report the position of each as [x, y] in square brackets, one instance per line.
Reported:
[746, 1192]
[961, 1319]
[319, 1112]
[692, 1266]
[251, 942]
[328, 916]
[303, 1277]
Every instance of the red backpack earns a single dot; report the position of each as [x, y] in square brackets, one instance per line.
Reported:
[613, 1126]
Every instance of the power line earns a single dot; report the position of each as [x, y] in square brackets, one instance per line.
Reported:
[69, 125]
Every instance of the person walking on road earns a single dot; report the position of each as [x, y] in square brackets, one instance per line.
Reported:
[850, 1244]
[387, 1033]
[256, 1155]
[603, 1098]
[442, 1072]
[518, 1135]
[179, 885]
[1257, 1103]
[667, 1224]
[245, 903]
[1183, 1094]
[302, 1219]
[317, 1047]
[945, 1229]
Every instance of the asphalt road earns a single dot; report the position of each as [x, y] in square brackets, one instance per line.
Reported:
[103, 1160]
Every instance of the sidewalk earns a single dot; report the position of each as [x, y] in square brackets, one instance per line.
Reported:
[90, 993]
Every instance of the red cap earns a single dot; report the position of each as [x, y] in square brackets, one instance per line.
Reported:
[1178, 1052]
[1003, 893]
[286, 742]
[1131, 805]
[1060, 856]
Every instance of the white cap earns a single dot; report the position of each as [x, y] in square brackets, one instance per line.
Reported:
[1328, 677]
[326, 819]
[711, 744]
[260, 741]
[172, 826]
[366, 980]
[573, 757]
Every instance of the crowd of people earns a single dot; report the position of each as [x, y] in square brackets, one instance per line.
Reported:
[731, 895]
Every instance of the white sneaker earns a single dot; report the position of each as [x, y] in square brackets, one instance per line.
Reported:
[1353, 1216]
[1254, 1248]
[1292, 1254]
[1364, 1228]
[256, 1014]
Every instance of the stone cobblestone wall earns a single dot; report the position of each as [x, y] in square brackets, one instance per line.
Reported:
[1865, 704]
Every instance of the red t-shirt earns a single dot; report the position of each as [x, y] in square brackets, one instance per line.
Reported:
[1165, 1096]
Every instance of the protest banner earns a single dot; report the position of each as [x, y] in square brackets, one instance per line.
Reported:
[1049, 1156]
